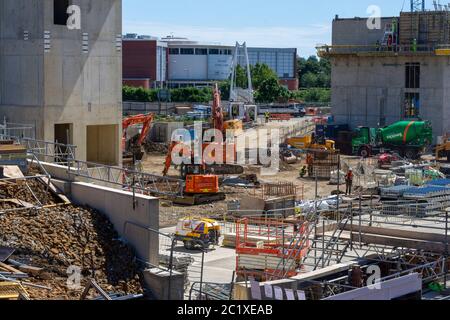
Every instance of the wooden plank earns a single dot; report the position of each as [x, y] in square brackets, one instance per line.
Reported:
[399, 242]
[12, 148]
[26, 268]
[9, 268]
[396, 233]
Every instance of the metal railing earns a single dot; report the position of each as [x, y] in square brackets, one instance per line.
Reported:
[45, 150]
[329, 50]
[13, 131]
[139, 182]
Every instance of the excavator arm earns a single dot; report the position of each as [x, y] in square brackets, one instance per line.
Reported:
[217, 112]
[168, 161]
[146, 120]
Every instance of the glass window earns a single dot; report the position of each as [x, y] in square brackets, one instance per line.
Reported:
[214, 51]
[412, 105]
[202, 52]
[60, 15]
[186, 51]
[174, 51]
[412, 75]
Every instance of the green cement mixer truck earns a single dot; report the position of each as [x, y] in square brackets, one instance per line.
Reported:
[407, 138]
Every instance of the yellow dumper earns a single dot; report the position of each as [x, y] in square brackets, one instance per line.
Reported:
[309, 142]
[195, 232]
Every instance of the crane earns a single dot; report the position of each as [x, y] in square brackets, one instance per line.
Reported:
[417, 5]
[133, 152]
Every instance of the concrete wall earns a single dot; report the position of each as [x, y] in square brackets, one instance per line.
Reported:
[369, 90]
[62, 84]
[131, 223]
[354, 31]
[162, 131]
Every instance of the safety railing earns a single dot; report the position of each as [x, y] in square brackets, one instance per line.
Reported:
[330, 50]
[14, 131]
[45, 150]
[140, 182]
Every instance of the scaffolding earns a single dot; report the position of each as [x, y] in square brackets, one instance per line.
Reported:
[270, 248]
[343, 253]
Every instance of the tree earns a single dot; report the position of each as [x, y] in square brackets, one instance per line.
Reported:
[270, 90]
[224, 88]
[314, 73]
[322, 95]
[260, 73]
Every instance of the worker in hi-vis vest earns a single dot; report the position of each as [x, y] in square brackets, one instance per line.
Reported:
[349, 182]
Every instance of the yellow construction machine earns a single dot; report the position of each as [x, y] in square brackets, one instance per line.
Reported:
[194, 232]
[443, 149]
[310, 143]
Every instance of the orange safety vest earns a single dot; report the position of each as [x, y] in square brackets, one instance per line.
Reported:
[349, 176]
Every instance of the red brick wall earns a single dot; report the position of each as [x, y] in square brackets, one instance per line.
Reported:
[292, 84]
[139, 59]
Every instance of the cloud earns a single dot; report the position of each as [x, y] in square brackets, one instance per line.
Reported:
[304, 38]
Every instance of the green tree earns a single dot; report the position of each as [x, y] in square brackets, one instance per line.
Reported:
[224, 88]
[322, 95]
[260, 73]
[270, 90]
[314, 73]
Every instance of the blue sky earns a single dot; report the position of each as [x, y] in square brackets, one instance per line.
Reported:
[273, 23]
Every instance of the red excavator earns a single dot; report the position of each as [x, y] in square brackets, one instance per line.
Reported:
[202, 181]
[229, 150]
[132, 148]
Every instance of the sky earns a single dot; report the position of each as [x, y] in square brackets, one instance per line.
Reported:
[261, 23]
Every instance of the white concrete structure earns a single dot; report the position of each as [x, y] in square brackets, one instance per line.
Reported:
[66, 82]
[377, 85]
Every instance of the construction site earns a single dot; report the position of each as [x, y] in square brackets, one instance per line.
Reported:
[233, 200]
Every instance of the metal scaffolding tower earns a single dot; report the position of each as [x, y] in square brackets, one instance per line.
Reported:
[241, 58]
[417, 5]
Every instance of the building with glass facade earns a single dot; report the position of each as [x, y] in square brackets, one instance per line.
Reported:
[191, 63]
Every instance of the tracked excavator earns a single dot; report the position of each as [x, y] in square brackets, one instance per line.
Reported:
[225, 167]
[202, 179]
[132, 148]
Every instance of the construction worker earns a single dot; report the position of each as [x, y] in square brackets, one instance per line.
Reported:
[349, 182]
[310, 163]
[414, 45]
[303, 172]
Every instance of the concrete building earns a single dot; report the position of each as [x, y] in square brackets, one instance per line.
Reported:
[64, 80]
[191, 63]
[399, 71]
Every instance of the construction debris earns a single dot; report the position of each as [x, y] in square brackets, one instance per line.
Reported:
[32, 191]
[55, 239]
[155, 147]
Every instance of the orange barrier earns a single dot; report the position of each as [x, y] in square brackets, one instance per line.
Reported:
[280, 117]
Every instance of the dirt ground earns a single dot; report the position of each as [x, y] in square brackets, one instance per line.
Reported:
[170, 213]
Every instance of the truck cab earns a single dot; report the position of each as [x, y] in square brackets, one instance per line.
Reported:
[364, 141]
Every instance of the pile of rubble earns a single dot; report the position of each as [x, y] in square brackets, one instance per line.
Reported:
[30, 191]
[67, 236]
[154, 147]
